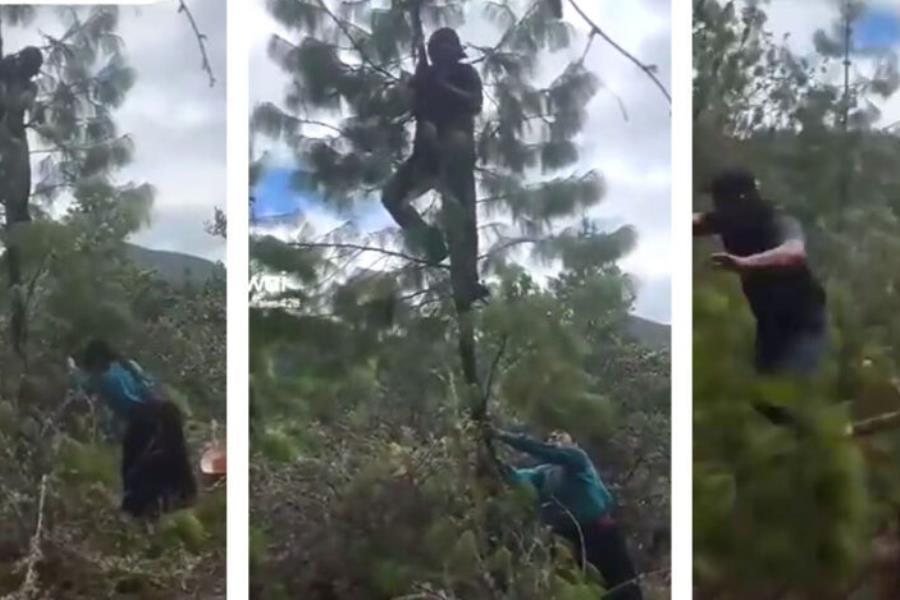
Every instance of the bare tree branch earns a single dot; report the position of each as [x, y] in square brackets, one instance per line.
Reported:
[201, 41]
[346, 31]
[877, 424]
[595, 29]
[29, 589]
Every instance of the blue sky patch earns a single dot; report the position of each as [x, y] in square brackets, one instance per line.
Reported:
[878, 28]
[277, 196]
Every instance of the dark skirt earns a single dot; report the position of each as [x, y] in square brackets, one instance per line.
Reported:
[156, 472]
[605, 548]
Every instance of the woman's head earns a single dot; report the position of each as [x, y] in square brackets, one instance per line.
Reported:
[98, 356]
[560, 438]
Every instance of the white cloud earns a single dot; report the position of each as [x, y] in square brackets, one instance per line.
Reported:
[801, 19]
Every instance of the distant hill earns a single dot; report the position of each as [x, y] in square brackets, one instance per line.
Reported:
[173, 267]
[651, 333]
[177, 269]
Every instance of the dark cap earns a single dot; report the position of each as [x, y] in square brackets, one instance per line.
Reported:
[446, 35]
[732, 183]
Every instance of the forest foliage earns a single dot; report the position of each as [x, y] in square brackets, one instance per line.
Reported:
[59, 458]
[777, 512]
[365, 473]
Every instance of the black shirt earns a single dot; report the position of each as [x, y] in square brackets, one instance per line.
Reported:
[785, 298]
[442, 107]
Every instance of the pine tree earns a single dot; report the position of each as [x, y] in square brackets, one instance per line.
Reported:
[529, 129]
[359, 405]
[76, 149]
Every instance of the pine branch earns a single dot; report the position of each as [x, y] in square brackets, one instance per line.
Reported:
[360, 247]
[507, 245]
[79, 148]
[201, 41]
[346, 31]
[595, 29]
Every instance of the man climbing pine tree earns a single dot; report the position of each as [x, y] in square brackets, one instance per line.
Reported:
[766, 249]
[447, 95]
[576, 505]
[17, 96]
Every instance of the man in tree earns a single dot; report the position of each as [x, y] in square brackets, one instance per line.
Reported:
[576, 505]
[17, 95]
[447, 95]
[766, 249]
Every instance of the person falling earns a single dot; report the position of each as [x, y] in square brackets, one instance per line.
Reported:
[765, 247]
[576, 504]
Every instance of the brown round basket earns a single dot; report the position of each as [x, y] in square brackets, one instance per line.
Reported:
[213, 463]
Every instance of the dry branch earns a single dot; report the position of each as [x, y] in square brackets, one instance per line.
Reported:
[649, 70]
[29, 589]
[874, 425]
[201, 41]
[363, 248]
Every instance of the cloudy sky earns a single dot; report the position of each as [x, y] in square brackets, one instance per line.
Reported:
[632, 154]
[801, 18]
[176, 119]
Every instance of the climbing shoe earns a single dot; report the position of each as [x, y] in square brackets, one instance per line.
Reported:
[480, 293]
[429, 242]
[780, 416]
[435, 247]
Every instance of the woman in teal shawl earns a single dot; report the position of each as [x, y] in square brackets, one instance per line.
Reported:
[156, 472]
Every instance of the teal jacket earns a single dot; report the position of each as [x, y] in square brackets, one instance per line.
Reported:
[566, 481]
[119, 388]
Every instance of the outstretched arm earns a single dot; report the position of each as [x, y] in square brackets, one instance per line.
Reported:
[790, 253]
[566, 456]
[79, 381]
[703, 224]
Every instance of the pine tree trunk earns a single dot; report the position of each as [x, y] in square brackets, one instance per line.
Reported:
[845, 117]
[18, 187]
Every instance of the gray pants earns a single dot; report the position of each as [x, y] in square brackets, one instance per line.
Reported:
[797, 352]
[446, 162]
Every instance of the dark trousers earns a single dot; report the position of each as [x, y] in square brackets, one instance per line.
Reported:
[784, 351]
[606, 550]
[782, 348]
[156, 471]
[443, 161]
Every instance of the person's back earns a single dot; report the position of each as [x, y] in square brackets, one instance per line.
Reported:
[578, 506]
[435, 105]
[573, 491]
[123, 387]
